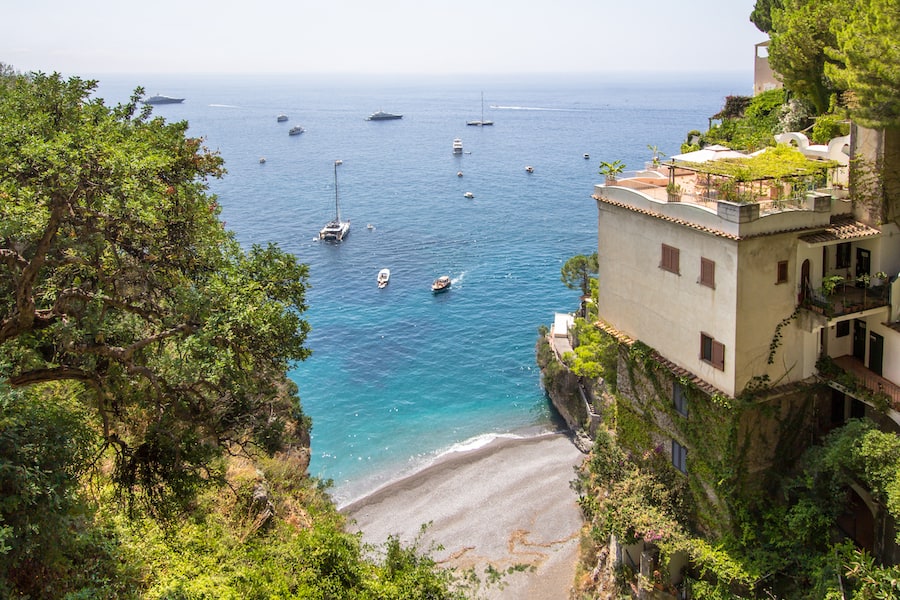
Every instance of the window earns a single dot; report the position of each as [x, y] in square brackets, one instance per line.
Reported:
[679, 456]
[782, 272]
[712, 352]
[843, 329]
[842, 260]
[707, 272]
[679, 399]
[670, 259]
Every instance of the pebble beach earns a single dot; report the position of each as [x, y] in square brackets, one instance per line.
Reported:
[507, 505]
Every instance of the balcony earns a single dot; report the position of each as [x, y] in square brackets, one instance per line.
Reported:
[847, 299]
[850, 376]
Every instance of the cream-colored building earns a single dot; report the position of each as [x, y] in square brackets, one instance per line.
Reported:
[733, 291]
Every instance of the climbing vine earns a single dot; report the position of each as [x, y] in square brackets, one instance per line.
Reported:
[777, 337]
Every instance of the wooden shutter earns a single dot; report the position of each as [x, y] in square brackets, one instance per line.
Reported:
[782, 275]
[670, 259]
[718, 355]
[707, 272]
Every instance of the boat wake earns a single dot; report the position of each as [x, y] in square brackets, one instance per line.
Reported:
[224, 106]
[540, 108]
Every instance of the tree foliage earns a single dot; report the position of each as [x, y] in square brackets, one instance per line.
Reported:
[823, 48]
[762, 14]
[751, 129]
[577, 272]
[595, 353]
[117, 275]
[802, 37]
[866, 61]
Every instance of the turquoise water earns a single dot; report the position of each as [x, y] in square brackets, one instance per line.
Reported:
[399, 376]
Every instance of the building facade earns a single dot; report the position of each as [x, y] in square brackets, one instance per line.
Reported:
[761, 290]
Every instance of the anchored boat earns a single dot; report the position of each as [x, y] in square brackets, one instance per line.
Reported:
[336, 229]
[384, 276]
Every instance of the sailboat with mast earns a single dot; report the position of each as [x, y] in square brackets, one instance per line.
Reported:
[482, 122]
[336, 229]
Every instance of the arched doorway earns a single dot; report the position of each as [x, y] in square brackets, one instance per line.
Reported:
[858, 522]
[804, 281]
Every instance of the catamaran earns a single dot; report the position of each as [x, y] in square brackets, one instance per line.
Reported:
[336, 229]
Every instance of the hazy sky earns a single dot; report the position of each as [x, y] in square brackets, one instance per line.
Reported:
[92, 37]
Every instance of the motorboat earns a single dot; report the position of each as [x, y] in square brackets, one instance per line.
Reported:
[469, 195]
[529, 169]
[281, 118]
[441, 284]
[380, 115]
[336, 229]
[459, 173]
[587, 156]
[482, 122]
[384, 276]
[457, 146]
[262, 160]
[160, 99]
[296, 130]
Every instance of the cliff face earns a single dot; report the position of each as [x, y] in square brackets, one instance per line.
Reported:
[566, 393]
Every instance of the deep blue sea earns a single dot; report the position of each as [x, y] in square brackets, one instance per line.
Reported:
[399, 376]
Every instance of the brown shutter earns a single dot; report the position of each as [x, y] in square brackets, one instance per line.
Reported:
[718, 355]
[707, 272]
[670, 259]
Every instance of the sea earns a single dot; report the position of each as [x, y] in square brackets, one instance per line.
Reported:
[399, 377]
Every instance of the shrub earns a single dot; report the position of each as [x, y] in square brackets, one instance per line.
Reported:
[828, 127]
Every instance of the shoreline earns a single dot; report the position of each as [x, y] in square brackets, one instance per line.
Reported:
[461, 452]
[456, 455]
[506, 505]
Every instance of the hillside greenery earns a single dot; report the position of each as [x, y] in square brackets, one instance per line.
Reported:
[774, 540]
[151, 445]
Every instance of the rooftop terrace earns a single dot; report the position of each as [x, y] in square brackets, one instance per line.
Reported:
[735, 197]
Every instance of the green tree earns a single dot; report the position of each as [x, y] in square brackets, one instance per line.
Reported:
[576, 273]
[762, 14]
[867, 61]
[802, 43]
[868, 64]
[117, 275]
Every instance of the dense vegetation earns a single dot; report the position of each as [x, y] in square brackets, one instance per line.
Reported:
[151, 445]
[775, 540]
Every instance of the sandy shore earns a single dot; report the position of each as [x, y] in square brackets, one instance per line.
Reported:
[507, 504]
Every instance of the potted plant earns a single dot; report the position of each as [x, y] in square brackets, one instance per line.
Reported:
[863, 281]
[656, 154]
[673, 190]
[885, 280]
[611, 170]
[830, 283]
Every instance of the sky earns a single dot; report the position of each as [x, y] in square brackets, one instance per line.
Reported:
[396, 37]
